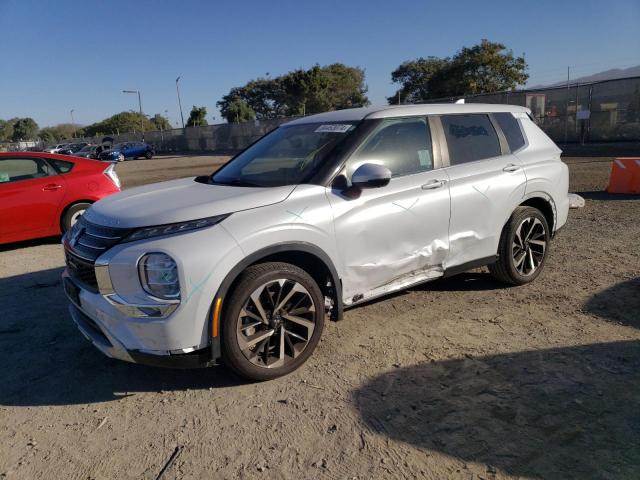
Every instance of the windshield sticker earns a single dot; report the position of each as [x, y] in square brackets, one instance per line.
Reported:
[333, 128]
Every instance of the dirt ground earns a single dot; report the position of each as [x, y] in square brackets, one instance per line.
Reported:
[459, 378]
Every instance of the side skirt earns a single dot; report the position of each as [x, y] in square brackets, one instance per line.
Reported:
[417, 279]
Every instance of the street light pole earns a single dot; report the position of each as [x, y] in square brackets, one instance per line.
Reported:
[179, 101]
[73, 123]
[140, 108]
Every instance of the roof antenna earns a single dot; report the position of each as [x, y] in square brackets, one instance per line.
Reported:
[459, 101]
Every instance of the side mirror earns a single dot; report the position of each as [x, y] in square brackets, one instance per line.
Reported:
[371, 175]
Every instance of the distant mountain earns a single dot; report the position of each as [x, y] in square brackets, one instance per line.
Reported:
[598, 77]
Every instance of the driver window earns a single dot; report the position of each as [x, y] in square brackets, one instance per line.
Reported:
[403, 145]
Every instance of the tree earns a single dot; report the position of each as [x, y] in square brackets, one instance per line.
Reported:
[48, 135]
[25, 129]
[483, 68]
[239, 111]
[62, 131]
[414, 75]
[264, 96]
[299, 92]
[6, 130]
[160, 122]
[122, 122]
[197, 117]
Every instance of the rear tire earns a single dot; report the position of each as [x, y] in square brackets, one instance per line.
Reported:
[72, 214]
[148, 155]
[272, 321]
[523, 247]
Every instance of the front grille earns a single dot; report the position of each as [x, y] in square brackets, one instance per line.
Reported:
[89, 241]
[86, 242]
[81, 270]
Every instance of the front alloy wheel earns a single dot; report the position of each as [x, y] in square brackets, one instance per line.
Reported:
[272, 321]
[276, 323]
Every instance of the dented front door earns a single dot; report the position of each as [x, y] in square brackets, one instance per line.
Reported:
[392, 236]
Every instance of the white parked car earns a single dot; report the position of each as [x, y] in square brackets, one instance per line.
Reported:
[56, 148]
[325, 212]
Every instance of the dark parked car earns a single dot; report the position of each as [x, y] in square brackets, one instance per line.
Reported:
[128, 150]
[88, 151]
[72, 148]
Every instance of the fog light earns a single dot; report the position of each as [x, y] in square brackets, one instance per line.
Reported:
[159, 275]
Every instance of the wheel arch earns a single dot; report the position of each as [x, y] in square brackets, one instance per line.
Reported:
[307, 256]
[64, 211]
[543, 202]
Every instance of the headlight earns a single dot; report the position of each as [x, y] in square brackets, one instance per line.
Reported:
[172, 228]
[159, 276]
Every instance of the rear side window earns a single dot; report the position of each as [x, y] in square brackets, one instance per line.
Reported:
[403, 145]
[61, 166]
[470, 138]
[16, 169]
[509, 126]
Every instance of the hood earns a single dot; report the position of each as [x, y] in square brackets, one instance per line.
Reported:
[179, 201]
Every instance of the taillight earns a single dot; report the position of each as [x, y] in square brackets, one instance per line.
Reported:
[113, 176]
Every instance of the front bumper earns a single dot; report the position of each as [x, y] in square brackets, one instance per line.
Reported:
[100, 336]
[141, 328]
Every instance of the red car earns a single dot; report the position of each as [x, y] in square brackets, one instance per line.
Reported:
[43, 194]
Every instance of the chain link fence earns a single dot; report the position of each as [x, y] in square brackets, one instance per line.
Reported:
[606, 111]
[224, 137]
[597, 112]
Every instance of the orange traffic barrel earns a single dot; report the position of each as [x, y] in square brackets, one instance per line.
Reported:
[625, 176]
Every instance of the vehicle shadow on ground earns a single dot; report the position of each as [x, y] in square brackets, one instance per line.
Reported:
[602, 195]
[555, 414]
[619, 303]
[47, 361]
[30, 243]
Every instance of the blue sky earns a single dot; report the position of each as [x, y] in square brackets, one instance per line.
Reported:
[66, 54]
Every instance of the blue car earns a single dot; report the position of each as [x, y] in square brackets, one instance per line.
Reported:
[127, 150]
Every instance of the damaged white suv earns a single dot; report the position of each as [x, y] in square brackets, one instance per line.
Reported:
[323, 213]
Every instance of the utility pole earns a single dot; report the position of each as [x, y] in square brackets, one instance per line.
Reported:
[566, 111]
[73, 134]
[398, 97]
[179, 101]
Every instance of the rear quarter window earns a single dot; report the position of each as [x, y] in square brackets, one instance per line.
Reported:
[511, 129]
[61, 166]
[470, 137]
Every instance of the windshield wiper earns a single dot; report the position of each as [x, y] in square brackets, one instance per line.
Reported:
[236, 183]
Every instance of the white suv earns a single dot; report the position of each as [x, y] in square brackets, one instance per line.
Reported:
[325, 212]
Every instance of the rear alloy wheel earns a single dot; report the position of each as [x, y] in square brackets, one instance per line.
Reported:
[523, 247]
[273, 321]
[71, 216]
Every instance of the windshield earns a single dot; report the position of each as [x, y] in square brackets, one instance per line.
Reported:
[118, 146]
[87, 148]
[286, 156]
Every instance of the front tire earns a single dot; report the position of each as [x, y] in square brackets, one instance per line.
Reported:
[148, 155]
[71, 216]
[523, 248]
[272, 322]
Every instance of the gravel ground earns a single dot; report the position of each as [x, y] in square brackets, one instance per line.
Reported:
[459, 378]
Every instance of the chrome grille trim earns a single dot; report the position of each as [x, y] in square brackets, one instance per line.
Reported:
[88, 241]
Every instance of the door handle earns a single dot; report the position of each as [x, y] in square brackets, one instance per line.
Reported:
[433, 184]
[51, 187]
[511, 167]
